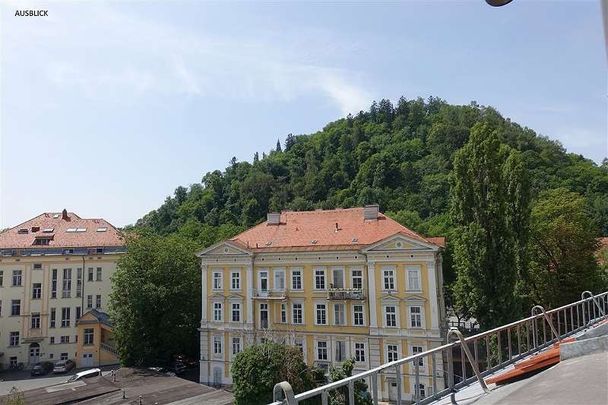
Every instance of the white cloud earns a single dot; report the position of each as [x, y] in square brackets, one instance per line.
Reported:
[117, 56]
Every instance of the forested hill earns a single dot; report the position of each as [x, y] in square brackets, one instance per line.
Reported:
[398, 156]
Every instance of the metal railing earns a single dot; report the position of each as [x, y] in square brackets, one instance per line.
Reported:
[444, 368]
[345, 294]
[269, 293]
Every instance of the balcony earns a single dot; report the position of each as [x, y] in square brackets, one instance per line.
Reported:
[345, 294]
[33, 335]
[269, 294]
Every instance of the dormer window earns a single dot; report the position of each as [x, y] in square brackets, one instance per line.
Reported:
[48, 230]
[42, 240]
[23, 231]
[102, 229]
[35, 229]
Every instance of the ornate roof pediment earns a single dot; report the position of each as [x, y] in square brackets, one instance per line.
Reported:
[400, 242]
[225, 248]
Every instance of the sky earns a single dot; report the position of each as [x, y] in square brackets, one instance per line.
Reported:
[107, 107]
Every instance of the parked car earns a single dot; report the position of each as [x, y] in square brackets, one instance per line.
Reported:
[162, 370]
[186, 361]
[42, 368]
[63, 366]
[94, 372]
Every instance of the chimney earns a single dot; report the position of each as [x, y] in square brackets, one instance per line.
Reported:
[371, 211]
[273, 218]
[64, 215]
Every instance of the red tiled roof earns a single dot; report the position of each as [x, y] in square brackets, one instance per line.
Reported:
[12, 239]
[298, 229]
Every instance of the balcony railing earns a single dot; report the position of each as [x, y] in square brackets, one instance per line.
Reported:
[269, 294]
[345, 294]
[486, 353]
[109, 348]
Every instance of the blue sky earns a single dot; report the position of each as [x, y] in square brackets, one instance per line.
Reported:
[106, 107]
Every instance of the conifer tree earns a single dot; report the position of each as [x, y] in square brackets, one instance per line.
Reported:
[490, 208]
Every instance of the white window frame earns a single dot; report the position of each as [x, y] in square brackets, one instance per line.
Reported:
[218, 345]
[297, 276]
[236, 342]
[337, 344]
[235, 280]
[276, 274]
[263, 275]
[395, 313]
[317, 348]
[335, 313]
[324, 275]
[422, 320]
[317, 309]
[386, 351]
[301, 309]
[217, 282]
[359, 352]
[342, 281]
[414, 350]
[424, 390]
[283, 312]
[362, 314]
[392, 277]
[218, 310]
[413, 269]
[352, 277]
[239, 310]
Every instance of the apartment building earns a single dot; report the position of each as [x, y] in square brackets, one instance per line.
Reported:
[54, 269]
[339, 284]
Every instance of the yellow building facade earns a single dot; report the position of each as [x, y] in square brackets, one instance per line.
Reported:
[54, 269]
[339, 284]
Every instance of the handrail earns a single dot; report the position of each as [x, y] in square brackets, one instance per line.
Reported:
[503, 346]
[534, 308]
[465, 347]
[593, 298]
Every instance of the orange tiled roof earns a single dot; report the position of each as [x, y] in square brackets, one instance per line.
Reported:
[298, 229]
[55, 227]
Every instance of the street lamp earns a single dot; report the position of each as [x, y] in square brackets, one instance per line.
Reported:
[498, 3]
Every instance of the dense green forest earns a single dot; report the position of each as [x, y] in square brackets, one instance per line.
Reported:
[398, 156]
[520, 214]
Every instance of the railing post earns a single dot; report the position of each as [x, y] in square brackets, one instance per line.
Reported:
[351, 393]
[374, 386]
[417, 381]
[398, 380]
[451, 368]
[534, 308]
[283, 392]
[463, 345]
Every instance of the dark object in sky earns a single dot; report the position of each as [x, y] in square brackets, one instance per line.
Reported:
[498, 3]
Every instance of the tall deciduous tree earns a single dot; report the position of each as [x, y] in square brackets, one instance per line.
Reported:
[257, 369]
[155, 299]
[563, 245]
[490, 208]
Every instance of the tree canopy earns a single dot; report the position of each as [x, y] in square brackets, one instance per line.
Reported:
[563, 249]
[400, 156]
[490, 209]
[155, 300]
[257, 369]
